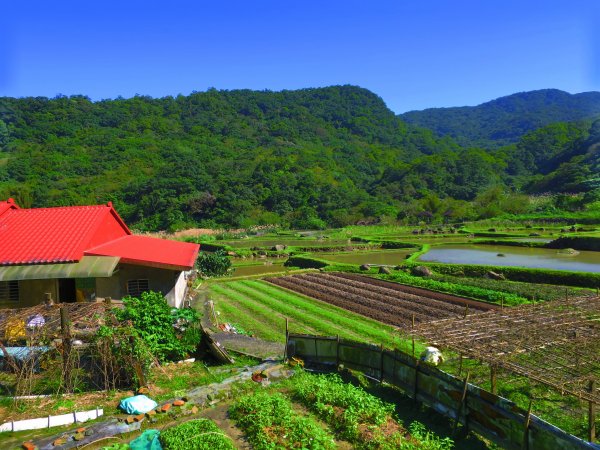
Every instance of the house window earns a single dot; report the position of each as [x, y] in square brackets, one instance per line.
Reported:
[9, 291]
[136, 287]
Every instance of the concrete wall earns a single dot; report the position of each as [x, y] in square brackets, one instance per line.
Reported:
[33, 292]
[171, 283]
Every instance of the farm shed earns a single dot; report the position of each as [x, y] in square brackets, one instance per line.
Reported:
[84, 253]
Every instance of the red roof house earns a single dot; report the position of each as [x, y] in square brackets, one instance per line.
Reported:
[80, 253]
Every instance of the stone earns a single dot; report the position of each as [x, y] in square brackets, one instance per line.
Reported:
[165, 408]
[31, 445]
[151, 413]
[143, 391]
[129, 420]
[178, 403]
[421, 271]
[60, 441]
[79, 436]
[89, 432]
[365, 267]
[385, 270]
[139, 417]
[80, 430]
[195, 410]
[279, 247]
[495, 276]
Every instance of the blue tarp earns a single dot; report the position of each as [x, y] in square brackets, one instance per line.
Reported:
[147, 441]
[22, 353]
[138, 404]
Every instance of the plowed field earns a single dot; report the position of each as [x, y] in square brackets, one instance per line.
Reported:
[387, 302]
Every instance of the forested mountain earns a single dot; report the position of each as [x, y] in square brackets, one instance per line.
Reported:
[306, 158]
[505, 120]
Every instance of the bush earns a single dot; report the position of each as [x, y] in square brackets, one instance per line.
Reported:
[213, 264]
[150, 316]
[198, 434]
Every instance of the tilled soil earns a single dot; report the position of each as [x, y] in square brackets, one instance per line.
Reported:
[387, 302]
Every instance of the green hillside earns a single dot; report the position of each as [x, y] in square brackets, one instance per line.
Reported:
[308, 159]
[505, 120]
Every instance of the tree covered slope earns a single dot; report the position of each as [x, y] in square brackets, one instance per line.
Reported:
[306, 158]
[505, 120]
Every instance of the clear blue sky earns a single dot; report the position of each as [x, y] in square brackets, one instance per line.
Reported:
[413, 53]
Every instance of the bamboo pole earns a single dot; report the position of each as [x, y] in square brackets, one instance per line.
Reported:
[463, 399]
[592, 414]
[493, 379]
[525, 444]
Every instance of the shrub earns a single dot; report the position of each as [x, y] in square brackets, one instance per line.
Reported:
[151, 318]
[213, 264]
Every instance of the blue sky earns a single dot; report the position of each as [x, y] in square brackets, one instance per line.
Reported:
[414, 54]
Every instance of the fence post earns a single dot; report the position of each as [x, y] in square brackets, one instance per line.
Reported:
[463, 399]
[287, 336]
[592, 415]
[460, 364]
[65, 328]
[416, 379]
[337, 352]
[413, 335]
[525, 444]
[493, 379]
[381, 361]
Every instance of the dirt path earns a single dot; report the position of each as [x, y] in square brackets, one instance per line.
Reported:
[220, 416]
[250, 345]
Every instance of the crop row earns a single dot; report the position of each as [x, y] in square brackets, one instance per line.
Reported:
[260, 307]
[370, 298]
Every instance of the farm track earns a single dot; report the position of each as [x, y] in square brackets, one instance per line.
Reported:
[380, 300]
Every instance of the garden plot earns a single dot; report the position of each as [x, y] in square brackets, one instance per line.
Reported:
[386, 302]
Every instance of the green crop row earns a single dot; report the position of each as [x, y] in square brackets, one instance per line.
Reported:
[270, 422]
[354, 323]
[463, 290]
[255, 305]
[359, 417]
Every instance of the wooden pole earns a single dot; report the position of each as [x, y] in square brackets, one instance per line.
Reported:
[381, 363]
[463, 399]
[466, 311]
[65, 328]
[413, 335]
[493, 379]
[460, 363]
[337, 353]
[287, 337]
[525, 444]
[416, 390]
[592, 415]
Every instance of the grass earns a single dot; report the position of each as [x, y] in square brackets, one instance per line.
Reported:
[261, 307]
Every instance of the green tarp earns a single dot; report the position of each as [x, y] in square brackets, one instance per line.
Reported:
[88, 267]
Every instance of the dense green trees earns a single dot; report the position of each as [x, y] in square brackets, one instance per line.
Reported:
[308, 159]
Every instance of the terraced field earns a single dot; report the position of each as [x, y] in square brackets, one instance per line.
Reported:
[261, 308]
[383, 301]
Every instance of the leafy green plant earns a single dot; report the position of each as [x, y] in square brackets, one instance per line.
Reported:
[271, 423]
[197, 434]
[152, 321]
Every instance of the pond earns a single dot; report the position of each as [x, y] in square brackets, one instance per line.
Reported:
[541, 258]
[391, 257]
[258, 269]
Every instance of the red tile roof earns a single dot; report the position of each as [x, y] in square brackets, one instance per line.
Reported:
[148, 251]
[50, 235]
